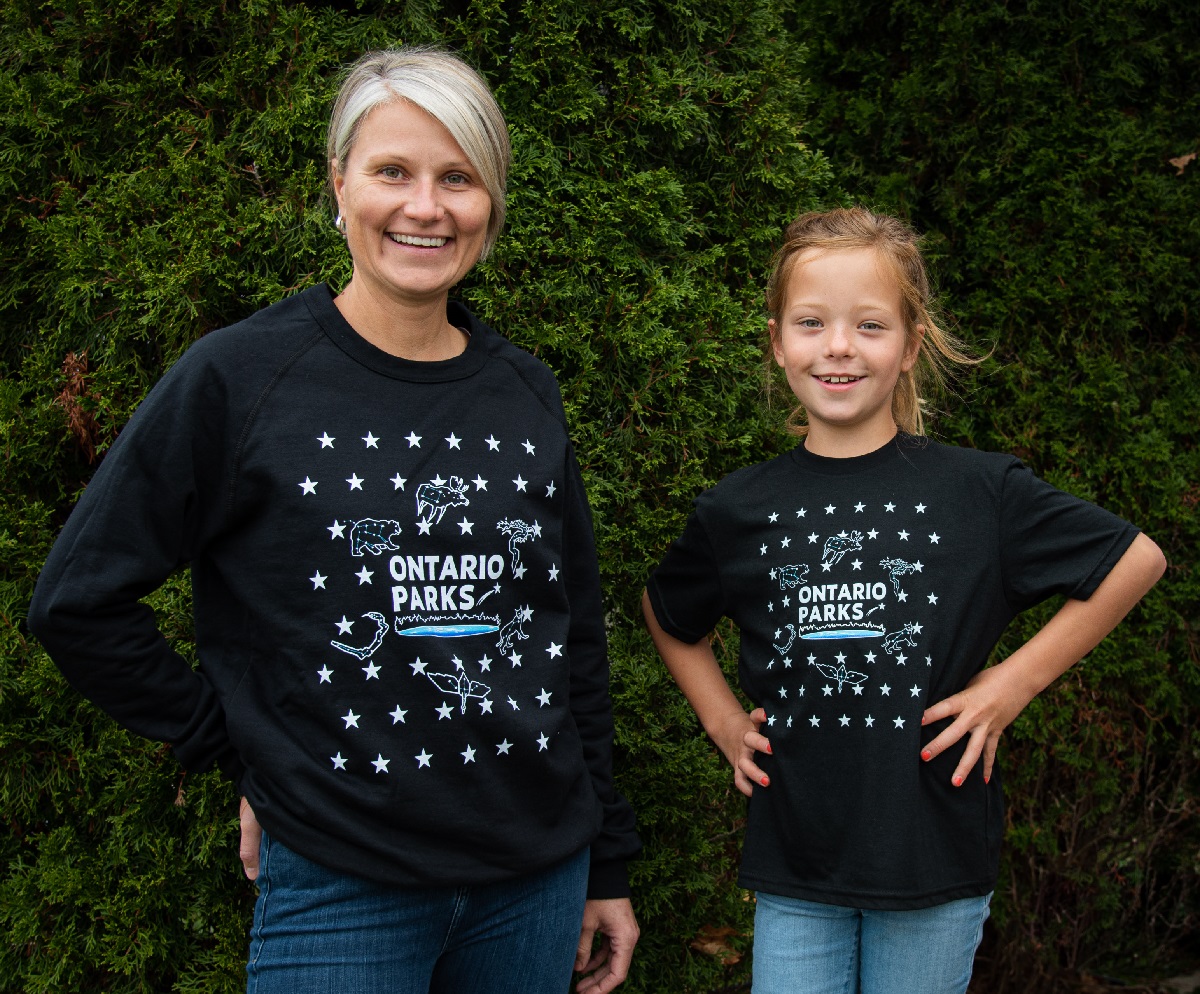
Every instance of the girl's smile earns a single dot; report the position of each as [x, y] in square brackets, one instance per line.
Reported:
[842, 342]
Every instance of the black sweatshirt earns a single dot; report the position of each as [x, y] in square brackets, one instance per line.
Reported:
[402, 652]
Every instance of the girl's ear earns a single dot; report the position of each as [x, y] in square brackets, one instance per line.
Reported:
[776, 344]
[913, 349]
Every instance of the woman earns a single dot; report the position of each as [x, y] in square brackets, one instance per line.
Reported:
[398, 616]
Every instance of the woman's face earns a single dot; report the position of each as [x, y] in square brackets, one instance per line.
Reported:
[415, 210]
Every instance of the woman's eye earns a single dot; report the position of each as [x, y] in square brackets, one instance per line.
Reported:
[457, 179]
[391, 172]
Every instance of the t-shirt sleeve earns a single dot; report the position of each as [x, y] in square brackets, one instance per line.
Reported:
[685, 590]
[1052, 542]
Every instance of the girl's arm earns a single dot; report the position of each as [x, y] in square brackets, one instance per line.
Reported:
[996, 695]
[735, 732]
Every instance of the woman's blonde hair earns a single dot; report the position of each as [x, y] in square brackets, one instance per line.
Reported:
[444, 87]
[938, 352]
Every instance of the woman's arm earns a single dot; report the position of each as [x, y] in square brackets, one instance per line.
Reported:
[994, 698]
[695, 669]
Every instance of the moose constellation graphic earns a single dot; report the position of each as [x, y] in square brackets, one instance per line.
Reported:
[837, 546]
[434, 497]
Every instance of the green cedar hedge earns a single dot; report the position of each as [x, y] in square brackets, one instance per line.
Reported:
[160, 165]
[1034, 142]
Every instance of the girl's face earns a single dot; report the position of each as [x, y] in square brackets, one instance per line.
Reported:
[415, 209]
[841, 340]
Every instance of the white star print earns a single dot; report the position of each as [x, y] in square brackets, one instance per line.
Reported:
[550, 488]
[520, 483]
[886, 690]
[371, 670]
[872, 534]
[519, 572]
[443, 711]
[437, 481]
[840, 657]
[423, 758]
[889, 506]
[555, 650]
[397, 716]
[480, 482]
[354, 481]
[763, 550]
[418, 666]
[468, 755]
[899, 722]
[318, 580]
[493, 444]
[465, 526]
[771, 721]
[308, 486]
[915, 691]
[380, 764]
[371, 440]
[351, 719]
[858, 690]
[774, 516]
[902, 596]
[339, 763]
[783, 693]
[869, 720]
[516, 659]
[528, 446]
[802, 512]
[789, 721]
[544, 697]
[485, 663]
[920, 509]
[934, 538]
[857, 564]
[870, 657]
[503, 747]
[326, 674]
[933, 598]
[814, 721]
[344, 625]
[812, 539]
[423, 527]
[829, 509]
[859, 507]
[786, 542]
[485, 706]
[901, 659]
[326, 441]
[514, 704]
[827, 690]
[414, 440]
[336, 530]
[452, 440]
[458, 663]
[364, 575]
[543, 742]
[398, 482]
[843, 721]
[553, 572]
[928, 660]
[903, 535]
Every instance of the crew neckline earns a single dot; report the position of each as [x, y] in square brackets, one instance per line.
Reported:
[893, 449]
[320, 303]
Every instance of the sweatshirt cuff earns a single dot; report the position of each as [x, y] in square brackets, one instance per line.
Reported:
[608, 879]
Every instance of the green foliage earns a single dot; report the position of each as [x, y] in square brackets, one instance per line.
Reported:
[1032, 142]
[163, 172]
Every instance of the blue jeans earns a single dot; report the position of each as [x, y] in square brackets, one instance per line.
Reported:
[801, 947]
[319, 931]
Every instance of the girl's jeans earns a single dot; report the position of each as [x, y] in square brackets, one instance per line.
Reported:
[318, 931]
[801, 947]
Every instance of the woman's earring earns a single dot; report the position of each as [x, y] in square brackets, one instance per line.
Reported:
[340, 224]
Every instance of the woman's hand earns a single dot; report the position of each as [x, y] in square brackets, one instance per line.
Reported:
[739, 738]
[251, 837]
[609, 964]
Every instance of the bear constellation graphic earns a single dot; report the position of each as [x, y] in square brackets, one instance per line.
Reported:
[435, 496]
[791, 576]
[904, 636]
[376, 642]
[461, 685]
[373, 535]
[513, 630]
[898, 568]
[518, 531]
[840, 673]
[837, 546]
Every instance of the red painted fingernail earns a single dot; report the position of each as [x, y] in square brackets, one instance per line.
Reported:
[770, 751]
[926, 755]
[987, 779]
[765, 781]
[957, 781]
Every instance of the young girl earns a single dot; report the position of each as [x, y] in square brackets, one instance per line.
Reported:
[871, 572]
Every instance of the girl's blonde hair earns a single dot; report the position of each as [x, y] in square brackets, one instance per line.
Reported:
[938, 352]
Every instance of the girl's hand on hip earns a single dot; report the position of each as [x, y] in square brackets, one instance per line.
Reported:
[739, 739]
[981, 711]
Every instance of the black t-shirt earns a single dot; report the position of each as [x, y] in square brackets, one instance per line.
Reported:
[866, 590]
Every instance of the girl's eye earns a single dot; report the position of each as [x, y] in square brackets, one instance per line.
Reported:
[871, 326]
[810, 323]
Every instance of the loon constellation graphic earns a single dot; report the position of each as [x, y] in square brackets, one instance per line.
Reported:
[518, 531]
[897, 568]
[434, 497]
[461, 685]
[512, 629]
[782, 649]
[837, 546]
[374, 535]
[376, 642]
